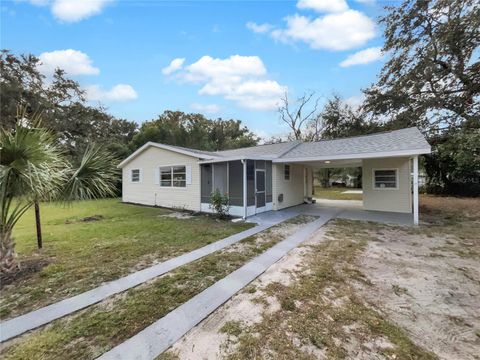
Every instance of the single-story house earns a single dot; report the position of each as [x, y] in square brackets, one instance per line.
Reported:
[275, 176]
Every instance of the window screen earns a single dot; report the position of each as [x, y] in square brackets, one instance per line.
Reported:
[135, 175]
[385, 179]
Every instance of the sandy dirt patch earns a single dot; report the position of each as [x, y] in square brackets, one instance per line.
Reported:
[178, 215]
[428, 287]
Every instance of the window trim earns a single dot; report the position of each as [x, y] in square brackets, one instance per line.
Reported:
[171, 177]
[289, 172]
[397, 178]
[139, 176]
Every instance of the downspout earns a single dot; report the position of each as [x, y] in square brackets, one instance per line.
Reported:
[244, 162]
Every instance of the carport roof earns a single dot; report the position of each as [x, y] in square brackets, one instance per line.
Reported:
[409, 141]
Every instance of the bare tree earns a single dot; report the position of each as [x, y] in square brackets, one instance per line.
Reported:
[296, 115]
[315, 128]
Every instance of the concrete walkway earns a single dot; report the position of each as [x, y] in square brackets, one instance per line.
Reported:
[156, 338]
[19, 325]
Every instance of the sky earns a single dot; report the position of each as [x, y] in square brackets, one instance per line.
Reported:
[229, 59]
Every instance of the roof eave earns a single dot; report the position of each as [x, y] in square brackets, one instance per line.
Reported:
[236, 158]
[382, 154]
[164, 147]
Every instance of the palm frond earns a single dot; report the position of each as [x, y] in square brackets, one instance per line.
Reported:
[32, 166]
[95, 177]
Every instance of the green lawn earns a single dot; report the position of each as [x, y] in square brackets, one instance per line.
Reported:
[334, 193]
[81, 255]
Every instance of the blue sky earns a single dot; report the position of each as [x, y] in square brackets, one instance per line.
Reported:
[234, 58]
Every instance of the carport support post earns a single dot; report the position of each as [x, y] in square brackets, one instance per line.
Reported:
[415, 190]
[244, 162]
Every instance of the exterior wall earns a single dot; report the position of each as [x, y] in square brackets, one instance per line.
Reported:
[309, 181]
[293, 190]
[147, 192]
[395, 200]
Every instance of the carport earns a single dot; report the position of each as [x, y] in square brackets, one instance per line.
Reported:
[389, 163]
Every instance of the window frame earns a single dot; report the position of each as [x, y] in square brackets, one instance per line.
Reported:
[289, 172]
[374, 187]
[171, 176]
[139, 176]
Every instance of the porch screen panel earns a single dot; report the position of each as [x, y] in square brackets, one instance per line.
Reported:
[206, 187]
[220, 177]
[235, 183]
[250, 182]
[260, 164]
[268, 174]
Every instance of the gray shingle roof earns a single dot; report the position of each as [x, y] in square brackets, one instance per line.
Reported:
[201, 153]
[270, 150]
[397, 140]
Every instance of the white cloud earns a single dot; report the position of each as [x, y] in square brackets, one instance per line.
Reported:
[74, 62]
[206, 108]
[242, 79]
[328, 6]
[118, 93]
[231, 68]
[259, 28]
[338, 28]
[175, 65]
[363, 57]
[338, 31]
[73, 10]
[76, 10]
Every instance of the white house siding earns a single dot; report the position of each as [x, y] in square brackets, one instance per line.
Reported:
[293, 190]
[395, 200]
[149, 192]
[309, 181]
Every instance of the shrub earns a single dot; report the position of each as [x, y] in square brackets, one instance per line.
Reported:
[220, 204]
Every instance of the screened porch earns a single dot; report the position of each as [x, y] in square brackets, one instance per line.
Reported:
[247, 183]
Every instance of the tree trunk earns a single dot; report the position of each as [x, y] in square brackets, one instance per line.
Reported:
[38, 225]
[8, 262]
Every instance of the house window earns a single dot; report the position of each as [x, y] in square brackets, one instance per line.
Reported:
[179, 176]
[135, 175]
[166, 176]
[385, 179]
[173, 176]
[286, 172]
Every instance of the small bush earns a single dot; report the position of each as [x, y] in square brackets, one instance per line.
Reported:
[220, 204]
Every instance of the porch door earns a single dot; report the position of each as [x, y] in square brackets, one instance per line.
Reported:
[260, 190]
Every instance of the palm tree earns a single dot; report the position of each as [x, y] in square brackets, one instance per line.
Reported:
[34, 168]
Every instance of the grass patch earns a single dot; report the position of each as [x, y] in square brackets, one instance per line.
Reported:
[82, 254]
[454, 220]
[334, 193]
[320, 314]
[232, 328]
[101, 327]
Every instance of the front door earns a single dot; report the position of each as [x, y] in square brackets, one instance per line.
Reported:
[260, 190]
